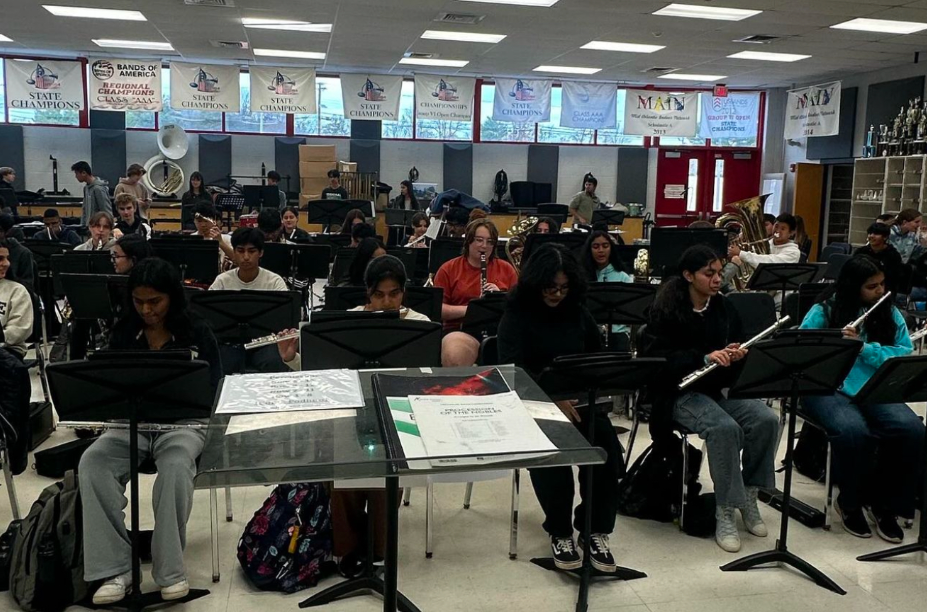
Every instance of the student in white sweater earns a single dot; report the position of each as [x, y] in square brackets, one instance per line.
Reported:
[15, 308]
[781, 247]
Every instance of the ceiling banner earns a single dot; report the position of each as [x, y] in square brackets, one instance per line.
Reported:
[283, 90]
[205, 87]
[589, 105]
[444, 98]
[813, 111]
[44, 85]
[655, 113]
[735, 116]
[521, 101]
[125, 85]
[371, 96]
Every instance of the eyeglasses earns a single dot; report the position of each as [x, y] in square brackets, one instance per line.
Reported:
[114, 257]
[483, 241]
[556, 290]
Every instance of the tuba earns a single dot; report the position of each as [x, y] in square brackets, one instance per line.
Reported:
[518, 236]
[748, 215]
[173, 144]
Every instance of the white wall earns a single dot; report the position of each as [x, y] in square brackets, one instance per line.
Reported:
[576, 161]
[67, 144]
[488, 159]
[249, 152]
[397, 157]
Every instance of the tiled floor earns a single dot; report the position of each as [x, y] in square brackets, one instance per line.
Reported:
[471, 571]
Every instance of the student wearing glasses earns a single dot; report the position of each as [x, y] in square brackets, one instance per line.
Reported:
[128, 251]
[461, 280]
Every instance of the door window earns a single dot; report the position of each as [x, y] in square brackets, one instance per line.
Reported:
[692, 186]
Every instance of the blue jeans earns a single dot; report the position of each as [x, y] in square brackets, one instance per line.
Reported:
[729, 427]
[877, 451]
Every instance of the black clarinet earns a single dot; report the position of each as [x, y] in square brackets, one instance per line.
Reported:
[483, 275]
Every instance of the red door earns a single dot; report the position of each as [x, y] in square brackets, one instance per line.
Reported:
[734, 176]
[681, 187]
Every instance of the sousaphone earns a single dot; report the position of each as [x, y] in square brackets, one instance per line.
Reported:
[163, 175]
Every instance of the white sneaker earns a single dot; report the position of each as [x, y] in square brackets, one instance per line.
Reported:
[113, 590]
[751, 515]
[726, 529]
[178, 590]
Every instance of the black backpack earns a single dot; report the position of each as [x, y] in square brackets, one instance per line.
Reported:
[652, 488]
[810, 454]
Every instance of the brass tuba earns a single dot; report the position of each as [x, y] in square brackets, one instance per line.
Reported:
[748, 215]
[518, 236]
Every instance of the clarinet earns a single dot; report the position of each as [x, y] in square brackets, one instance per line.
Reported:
[483, 274]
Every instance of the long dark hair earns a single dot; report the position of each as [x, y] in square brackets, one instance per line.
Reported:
[161, 276]
[365, 251]
[614, 258]
[412, 199]
[539, 272]
[672, 303]
[197, 175]
[842, 304]
[354, 213]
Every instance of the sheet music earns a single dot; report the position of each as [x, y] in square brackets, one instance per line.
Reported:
[290, 391]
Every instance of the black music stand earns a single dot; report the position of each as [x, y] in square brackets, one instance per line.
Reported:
[140, 389]
[370, 343]
[333, 241]
[604, 374]
[620, 303]
[667, 244]
[259, 197]
[443, 250]
[238, 317]
[784, 277]
[343, 298]
[79, 262]
[425, 300]
[341, 267]
[575, 241]
[326, 316]
[607, 216]
[231, 204]
[329, 212]
[901, 380]
[483, 314]
[796, 363]
[401, 219]
[300, 264]
[197, 260]
[408, 257]
[95, 296]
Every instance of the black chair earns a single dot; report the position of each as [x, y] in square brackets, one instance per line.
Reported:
[489, 351]
[835, 263]
[757, 311]
[831, 249]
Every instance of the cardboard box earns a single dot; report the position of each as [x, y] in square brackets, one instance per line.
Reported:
[313, 185]
[316, 169]
[316, 153]
[305, 198]
[344, 166]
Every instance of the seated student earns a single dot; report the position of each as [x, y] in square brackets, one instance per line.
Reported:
[129, 251]
[16, 315]
[360, 232]
[368, 250]
[157, 319]
[290, 230]
[270, 222]
[420, 224]
[354, 216]
[875, 446]
[248, 243]
[879, 248]
[101, 233]
[781, 247]
[692, 325]
[769, 222]
[273, 180]
[335, 191]
[461, 280]
[205, 218]
[21, 260]
[906, 236]
[546, 225]
[130, 220]
[603, 265]
[549, 296]
[456, 219]
[55, 230]
[885, 219]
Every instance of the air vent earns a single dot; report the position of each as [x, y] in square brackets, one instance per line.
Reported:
[225, 3]
[459, 18]
[228, 44]
[658, 70]
[758, 39]
[420, 55]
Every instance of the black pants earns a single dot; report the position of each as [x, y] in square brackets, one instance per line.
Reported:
[266, 359]
[554, 486]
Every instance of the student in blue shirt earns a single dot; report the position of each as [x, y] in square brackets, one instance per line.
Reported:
[603, 265]
[876, 448]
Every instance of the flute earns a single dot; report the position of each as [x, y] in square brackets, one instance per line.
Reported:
[272, 339]
[860, 320]
[145, 427]
[694, 376]
[205, 218]
[918, 334]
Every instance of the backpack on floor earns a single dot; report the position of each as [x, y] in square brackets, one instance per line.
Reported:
[47, 562]
[810, 454]
[652, 488]
[287, 544]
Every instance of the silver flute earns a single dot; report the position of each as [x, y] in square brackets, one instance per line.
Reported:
[145, 427]
[860, 320]
[272, 339]
[918, 334]
[694, 376]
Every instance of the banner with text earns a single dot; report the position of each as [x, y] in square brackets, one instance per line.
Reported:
[521, 101]
[655, 113]
[205, 87]
[589, 105]
[735, 116]
[813, 111]
[282, 90]
[444, 98]
[125, 85]
[44, 85]
[371, 96]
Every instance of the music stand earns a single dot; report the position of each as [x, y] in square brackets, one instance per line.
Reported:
[425, 300]
[343, 298]
[94, 296]
[42, 251]
[333, 241]
[408, 257]
[300, 264]
[357, 344]
[901, 380]
[79, 262]
[232, 204]
[400, 218]
[575, 241]
[592, 376]
[258, 197]
[237, 317]
[796, 363]
[667, 244]
[443, 250]
[341, 267]
[329, 212]
[197, 260]
[784, 277]
[607, 216]
[326, 316]
[620, 303]
[483, 314]
[141, 389]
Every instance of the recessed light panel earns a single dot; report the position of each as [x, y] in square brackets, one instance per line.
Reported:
[698, 11]
[769, 57]
[285, 53]
[132, 44]
[885, 26]
[285, 25]
[567, 69]
[542, 3]
[604, 45]
[463, 36]
[702, 78]
[93, 13]
[421, 61]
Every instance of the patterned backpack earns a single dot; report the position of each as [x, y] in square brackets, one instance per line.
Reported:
[287, 544]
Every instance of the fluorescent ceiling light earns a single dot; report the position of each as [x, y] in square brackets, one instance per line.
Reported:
[543, 3]
[885, 26]
[463, 36]
[5, 38]
[284, 53]
[93, 13]
[132, 44]
[769, 57]
[567, 69]
[284, 24]
[694, 11]
[679, 76]
[424, 61]
[603, 45]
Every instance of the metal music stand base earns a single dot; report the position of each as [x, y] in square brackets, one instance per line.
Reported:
[620, 573]
[145, 600]
[368, 582]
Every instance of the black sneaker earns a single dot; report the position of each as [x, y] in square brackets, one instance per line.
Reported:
[886, 525]
[601, 557]
[565, 555]
[854, 522]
